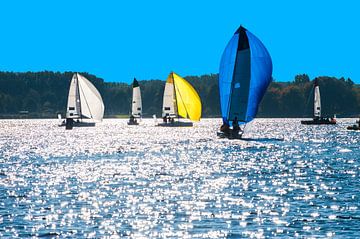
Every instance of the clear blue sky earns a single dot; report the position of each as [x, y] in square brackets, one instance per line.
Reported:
[117, 40]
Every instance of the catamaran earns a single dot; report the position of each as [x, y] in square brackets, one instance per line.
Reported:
[180, 100]
[318, 119]
[245, 73]
[85, 106]
[136, 105]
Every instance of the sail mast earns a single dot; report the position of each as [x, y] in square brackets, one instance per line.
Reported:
[174, 95]
[77, 98]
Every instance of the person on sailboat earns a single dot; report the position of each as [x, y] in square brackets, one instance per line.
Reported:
[132, 119]
[236, 127]
[225, 128]
[236, 123]
[69, 123]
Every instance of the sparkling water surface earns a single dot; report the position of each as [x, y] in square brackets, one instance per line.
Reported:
[117, 181]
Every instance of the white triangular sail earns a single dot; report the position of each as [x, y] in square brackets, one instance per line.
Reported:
[73, 109]
[136, 108]
[84, 100]
[317, 101]
[169, 100]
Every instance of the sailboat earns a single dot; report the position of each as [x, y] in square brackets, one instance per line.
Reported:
[136, 106]
[180, 100]
[245, 73]
[354, 126]
[318, 119]
[85, 106]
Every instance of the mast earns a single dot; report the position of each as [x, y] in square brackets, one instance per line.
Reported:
[174, 99]
[132, 100]
[77, 98]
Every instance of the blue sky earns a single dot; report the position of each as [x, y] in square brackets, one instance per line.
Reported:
[117, 40]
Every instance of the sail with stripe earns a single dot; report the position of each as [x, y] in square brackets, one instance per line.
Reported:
[245, 73]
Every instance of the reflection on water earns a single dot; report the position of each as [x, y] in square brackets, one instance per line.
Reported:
[119, 181]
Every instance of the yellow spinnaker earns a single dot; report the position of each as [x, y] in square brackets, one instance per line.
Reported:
[188, 100]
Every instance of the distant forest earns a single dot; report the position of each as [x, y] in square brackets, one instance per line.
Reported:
[44, 94]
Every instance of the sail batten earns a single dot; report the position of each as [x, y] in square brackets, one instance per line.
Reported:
[245, 73]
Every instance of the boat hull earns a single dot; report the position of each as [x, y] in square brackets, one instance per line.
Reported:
[176, 124]
[318, 122]
[79, 124]
[353, 127]
[230, 135]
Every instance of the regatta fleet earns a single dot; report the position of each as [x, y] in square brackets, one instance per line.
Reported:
[244, 75]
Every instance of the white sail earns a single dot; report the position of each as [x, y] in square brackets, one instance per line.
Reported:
[136, 109]
[169, 102]
[317, 102]
[92, 106]
[73, 105]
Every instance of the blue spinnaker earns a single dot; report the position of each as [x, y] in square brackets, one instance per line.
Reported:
[245, 73]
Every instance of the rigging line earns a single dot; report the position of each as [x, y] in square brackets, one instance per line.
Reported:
[86, 103]
[187, 113]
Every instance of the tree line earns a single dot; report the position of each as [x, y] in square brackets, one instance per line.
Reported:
[44, 94]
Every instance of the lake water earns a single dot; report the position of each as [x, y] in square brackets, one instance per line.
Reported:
[119, 181]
